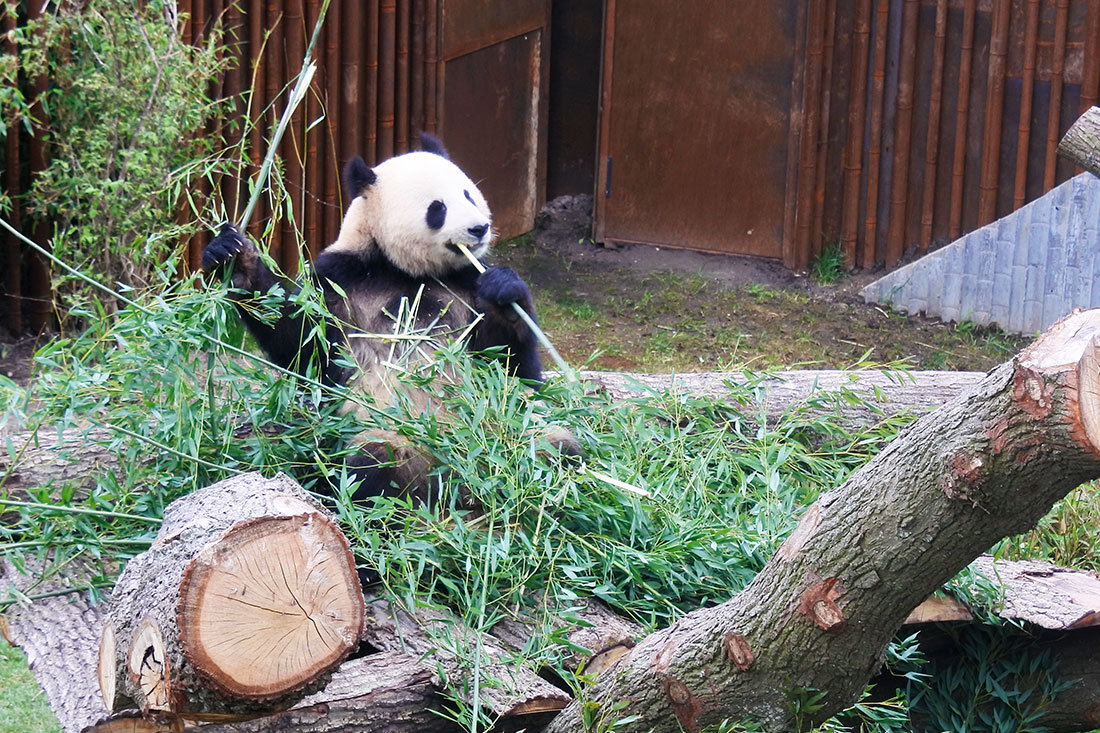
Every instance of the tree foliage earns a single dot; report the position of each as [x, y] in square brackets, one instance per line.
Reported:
[123, 104]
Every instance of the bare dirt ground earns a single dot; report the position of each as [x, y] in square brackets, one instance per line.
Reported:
[658, 309]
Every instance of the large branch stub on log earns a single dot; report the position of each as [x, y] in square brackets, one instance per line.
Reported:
[988, 464]
[248, 595]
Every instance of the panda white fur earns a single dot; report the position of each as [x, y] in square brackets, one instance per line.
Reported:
[399, 239]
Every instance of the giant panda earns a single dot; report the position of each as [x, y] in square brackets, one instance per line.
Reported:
[399, 239]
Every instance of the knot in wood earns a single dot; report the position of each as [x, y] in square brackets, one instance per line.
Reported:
[739, 651]
[818, 604]
[684, 704]
[964, 476]
[827, 615]
[677, 691]
[1031, 393]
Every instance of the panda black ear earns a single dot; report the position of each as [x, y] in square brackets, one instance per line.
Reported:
[358, 176]
[430, 144]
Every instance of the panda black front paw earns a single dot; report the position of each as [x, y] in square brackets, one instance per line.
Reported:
[501, 286]
[225, 248]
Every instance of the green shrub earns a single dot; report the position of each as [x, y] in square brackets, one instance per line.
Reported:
[123, 114]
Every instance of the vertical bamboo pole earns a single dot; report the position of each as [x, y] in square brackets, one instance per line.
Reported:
[962, 115]
[431, 66]
[853, 149]
[13, 250]
[401, 103]
[292, 146]
[274, 78]
[313, 206]
[932, 142]
[416, 73]
[371, 98]
[184, 11]
[1027, 93]
[192, 34]
[353, 92]
[236, 40]
[1056, 80]
[994, 113]
[334, 131]
[1090, 77]
[817, 236]
[899, 185]
[255, 82]
[874, 146]
[40, 290]
[815, 32]
[387, 75]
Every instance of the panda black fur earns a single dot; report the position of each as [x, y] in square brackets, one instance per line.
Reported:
[399, 237]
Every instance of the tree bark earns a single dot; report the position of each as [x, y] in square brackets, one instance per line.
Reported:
[1081, 143]
[53, 459]
[248, 595]
[818, 618]
[60, 635]
[509, 687]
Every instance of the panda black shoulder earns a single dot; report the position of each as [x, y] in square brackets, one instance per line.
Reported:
[343, 268]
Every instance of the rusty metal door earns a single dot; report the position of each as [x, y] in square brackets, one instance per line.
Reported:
[493, 107]
[695, 126]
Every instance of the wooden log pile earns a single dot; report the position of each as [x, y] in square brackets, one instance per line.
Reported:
[247, 615]
[241, 616]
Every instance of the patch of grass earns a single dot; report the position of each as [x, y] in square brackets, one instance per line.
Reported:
[828, 267]
[1069, 535]
[23, 707]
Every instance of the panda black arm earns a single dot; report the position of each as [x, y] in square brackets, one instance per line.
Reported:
[285, 340]
[495, 291]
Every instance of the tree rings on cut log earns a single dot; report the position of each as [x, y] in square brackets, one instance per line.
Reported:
[266, 609]
[145, 661]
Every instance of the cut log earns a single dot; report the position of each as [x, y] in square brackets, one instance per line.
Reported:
[820, 614]
[596, 636]
[1045, 595]
[74, 458]
[509, 687]
[882, 394]
[248, 595]
[51, 459]
[389, 692]
[1081, 143]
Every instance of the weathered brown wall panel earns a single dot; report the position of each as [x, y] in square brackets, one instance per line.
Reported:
[689, 67]
[469, 25]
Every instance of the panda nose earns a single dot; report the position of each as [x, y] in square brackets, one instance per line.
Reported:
[479, 231]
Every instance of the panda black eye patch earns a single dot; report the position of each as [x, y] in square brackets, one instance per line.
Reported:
[437, 214]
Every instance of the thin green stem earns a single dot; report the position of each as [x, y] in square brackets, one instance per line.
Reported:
[297, 94]
[564, 368]
[77, 510]
[165, 448]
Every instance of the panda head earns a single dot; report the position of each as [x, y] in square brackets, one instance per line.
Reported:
[415, 209]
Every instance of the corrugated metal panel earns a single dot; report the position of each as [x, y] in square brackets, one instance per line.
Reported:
[913, 121]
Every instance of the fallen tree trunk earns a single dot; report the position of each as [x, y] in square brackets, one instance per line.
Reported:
[248, 595]
[73, 458]
[816, 621]
[880, 393]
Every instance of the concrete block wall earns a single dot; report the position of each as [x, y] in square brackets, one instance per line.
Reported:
[1022, 272]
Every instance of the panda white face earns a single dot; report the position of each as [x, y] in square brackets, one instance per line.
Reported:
[418, 208]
